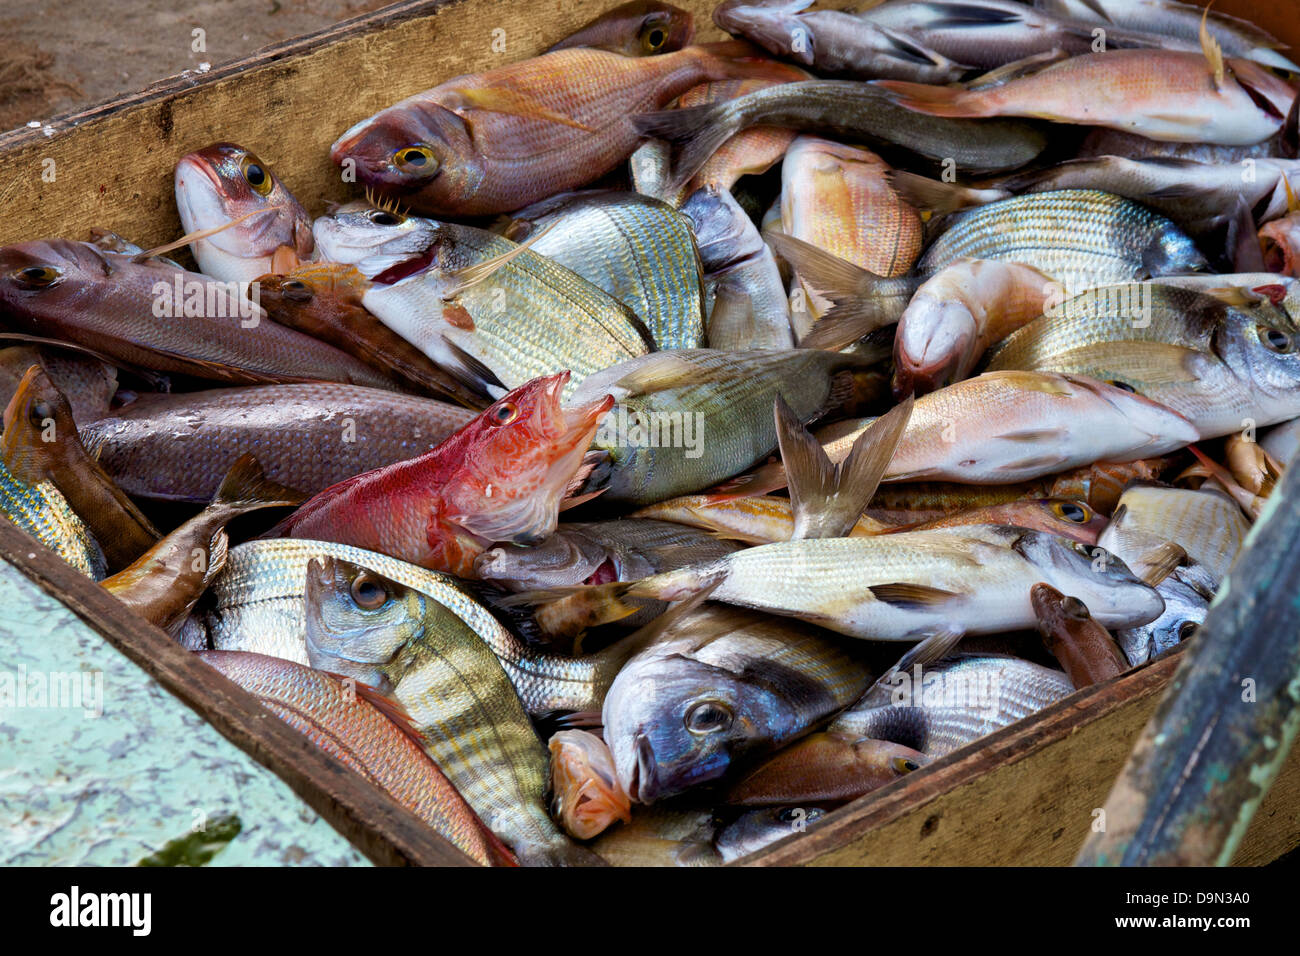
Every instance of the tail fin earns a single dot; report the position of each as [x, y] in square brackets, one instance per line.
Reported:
[828, 499]
[694, 134]
[949, 101]
[939, 198]
[246, 488]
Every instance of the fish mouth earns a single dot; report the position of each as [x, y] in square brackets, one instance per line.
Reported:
[643, 784]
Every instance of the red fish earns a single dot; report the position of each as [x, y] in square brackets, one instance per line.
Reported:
[500, 478]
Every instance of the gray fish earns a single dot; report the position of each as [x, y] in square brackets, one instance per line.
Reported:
[661, 835]
[937, 708]
[722, 684]
[1187, 592]
[843, 109]
[1208, 525]
[638, 249]
[755, 829]
[748, 306]
[1083, 238]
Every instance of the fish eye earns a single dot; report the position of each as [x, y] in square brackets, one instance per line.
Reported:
[1186, 630]
[1275, 340]
[255, 174]
[708, 717]
[297, 290]
[382, 217]
[36, 277]
[42, 410]
[1075, 608]
[417, 160]
[368, 593]
[1121, 385]
[1083, 549]
[653, 37]
[1071, 511]
[904, 765]
[504, 414]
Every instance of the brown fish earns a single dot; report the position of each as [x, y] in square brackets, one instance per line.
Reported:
[87, 383]
[585, 794]
[323, 300]
[40, 443]
[824, 767]
[635, 28]
[495, 141]
[163, 585]
[1085, 649]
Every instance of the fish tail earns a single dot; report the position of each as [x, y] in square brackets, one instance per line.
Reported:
[949, 101]
[246, 488]
[828, 499]
[936, 197]
[694, 135]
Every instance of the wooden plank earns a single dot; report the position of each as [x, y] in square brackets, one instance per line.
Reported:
[113, 163]
[373, 822]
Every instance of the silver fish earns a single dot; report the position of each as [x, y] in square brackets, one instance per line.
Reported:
[756, 829]
[1187, 593]
[1208, 525]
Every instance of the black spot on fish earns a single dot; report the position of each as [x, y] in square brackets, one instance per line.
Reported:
[805, 692]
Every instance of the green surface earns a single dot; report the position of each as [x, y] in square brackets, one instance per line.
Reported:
[117, 770]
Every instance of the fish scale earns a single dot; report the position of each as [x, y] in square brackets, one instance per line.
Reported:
[43, 512]
[977, 694]
[256, 605]
[1082, 238]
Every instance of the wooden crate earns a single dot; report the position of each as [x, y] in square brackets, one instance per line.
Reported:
[1024, 795]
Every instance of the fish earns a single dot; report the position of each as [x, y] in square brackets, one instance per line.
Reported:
[1237, 37]
[686, 419]
[838, 198]
[595, 552]
[87, 383]
[1253, 468]
[1279, 241]
[1082, 238]
[1085, 650]
[957, 314]
[720, 686]
[585, 795]
[752, 151]
[1175, 95]
[255, 604]
[323, 300]
[499, 478]
[744, 291]
[1282, 441]
[756, 829]
[1001, 427]
[1222, 367]
[490, 142]
[43, 513]
[152, 315]
[1197, 195]
[164, 583]
[842, 109]
[666, 834]
[359, 731]
[891, 587]
[459, 700]
[635, 28]
[639, 250]
[40, 444]
[459, 295]
[824, 768]
[953, 702]
[764, 519]
[177, 447]
[219, 185]
[1208, 525]
[1187, 594]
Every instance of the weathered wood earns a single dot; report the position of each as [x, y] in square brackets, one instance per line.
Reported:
[372, 821]
[1225, 727]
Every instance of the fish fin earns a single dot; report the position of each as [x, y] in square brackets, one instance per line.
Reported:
[694, 134]
[908, 50]
[497, 99]
[621, 651]
[570, 611]
[1158, 563]
[574, 720]
[1157, 363]
[1237, 297]
[479, 271]
[1242, 240]
[472, 372]
[662, 371]
[912, 597]
[937, 197]
[1049, 463]
[1292, 204]
[949, 101]
[1210, 47]
[828, 499]
[386, 705]
[284, 260]
[762, 480]
[731, 320]
[1018, 69]
[198, 234]
[1248, 502]
[218, 552]
[933, 648]
[246, 488]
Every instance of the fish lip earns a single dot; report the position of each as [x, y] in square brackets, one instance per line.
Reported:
[643, 785]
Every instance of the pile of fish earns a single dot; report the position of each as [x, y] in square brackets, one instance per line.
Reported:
[682, 440]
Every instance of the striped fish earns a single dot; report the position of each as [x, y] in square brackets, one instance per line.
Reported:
[44, 513]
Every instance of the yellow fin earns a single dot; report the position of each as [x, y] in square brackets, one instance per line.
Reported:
[1210, 47]
[501, 100]
[473, 275]
[1292, 204]
[1152, 363]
